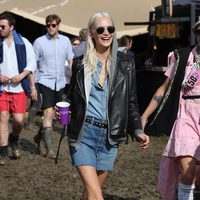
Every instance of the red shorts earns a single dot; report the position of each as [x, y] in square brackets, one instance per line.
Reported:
[13, 102]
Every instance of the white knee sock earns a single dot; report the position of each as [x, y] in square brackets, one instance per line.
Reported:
[185, 192]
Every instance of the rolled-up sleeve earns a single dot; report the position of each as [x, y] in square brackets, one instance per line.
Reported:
[30, 57]
[70, 54]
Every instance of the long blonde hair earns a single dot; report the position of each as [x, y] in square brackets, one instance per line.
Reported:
[90, 58]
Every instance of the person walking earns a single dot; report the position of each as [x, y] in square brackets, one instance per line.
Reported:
[52, 50]
[177, 101]
[75, 41]
[17, 61]
[79, 49]
[104, 106]
[125, 45]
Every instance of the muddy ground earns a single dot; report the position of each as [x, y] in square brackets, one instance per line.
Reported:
[35, 177]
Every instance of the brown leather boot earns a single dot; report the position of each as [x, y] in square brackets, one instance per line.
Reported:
[48, 131]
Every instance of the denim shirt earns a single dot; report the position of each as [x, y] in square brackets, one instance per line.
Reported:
[97, 105]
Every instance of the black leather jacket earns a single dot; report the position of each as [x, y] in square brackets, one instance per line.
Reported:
[123, 115]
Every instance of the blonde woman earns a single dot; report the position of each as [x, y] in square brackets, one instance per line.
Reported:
[103, 106]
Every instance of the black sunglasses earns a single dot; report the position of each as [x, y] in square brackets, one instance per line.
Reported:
[75, 43]
[51, 25]
[101, 29]
[2, 27]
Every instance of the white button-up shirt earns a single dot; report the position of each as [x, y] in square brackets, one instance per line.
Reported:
[9, 66]
[51, 56]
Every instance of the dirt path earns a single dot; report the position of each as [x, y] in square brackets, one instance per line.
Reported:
[37, 178]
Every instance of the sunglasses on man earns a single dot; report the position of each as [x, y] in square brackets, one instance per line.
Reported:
[2, 27]
[51, 25]
[100, 30]
[75, 43]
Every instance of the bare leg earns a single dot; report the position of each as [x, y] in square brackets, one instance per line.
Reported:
[17, 126]
[4, 133]
[92, 182]
[48, 117]
[186, 184]
[187, 170]
[101, 176]
[18, 123]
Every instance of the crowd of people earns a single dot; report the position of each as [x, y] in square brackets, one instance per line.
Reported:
[98, 79]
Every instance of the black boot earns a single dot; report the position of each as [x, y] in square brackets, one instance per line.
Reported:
[30, 124]
[39, 140]
[13, 140]
[48, 131]
[3, 155]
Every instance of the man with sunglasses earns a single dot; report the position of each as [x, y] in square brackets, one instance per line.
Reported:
[17, 61]
[52, 50]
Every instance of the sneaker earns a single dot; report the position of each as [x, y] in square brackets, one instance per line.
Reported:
[15, 151]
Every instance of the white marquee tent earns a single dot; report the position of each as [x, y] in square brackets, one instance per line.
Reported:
[75, 13]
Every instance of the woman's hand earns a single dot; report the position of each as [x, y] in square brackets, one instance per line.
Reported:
[57, 114]
[143, 139]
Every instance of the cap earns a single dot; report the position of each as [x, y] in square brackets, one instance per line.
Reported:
[197, 24]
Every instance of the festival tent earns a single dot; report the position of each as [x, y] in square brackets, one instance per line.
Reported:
[75, 13]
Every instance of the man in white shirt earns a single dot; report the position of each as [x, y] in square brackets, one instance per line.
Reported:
[17, 61]
[51, 50]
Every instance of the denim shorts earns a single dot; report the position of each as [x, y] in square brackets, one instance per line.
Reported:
[94, 149]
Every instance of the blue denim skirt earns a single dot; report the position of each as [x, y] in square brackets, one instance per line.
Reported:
[94, 149]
